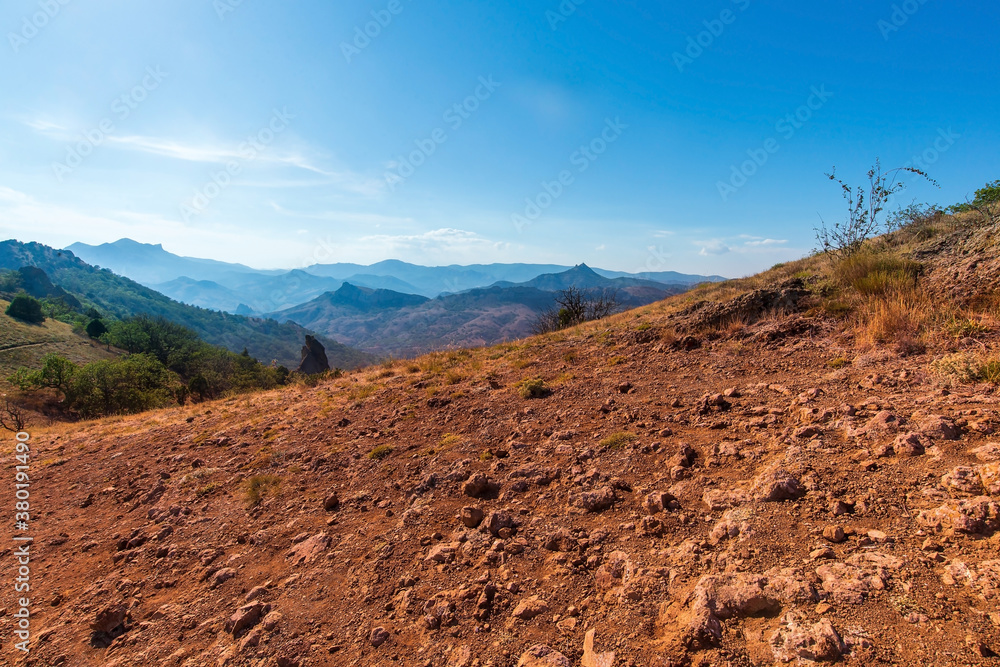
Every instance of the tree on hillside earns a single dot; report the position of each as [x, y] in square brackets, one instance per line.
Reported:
[865, 205]
[26, 309]
[128, 336]
[96, 329]
[121, 386]
[575, 306]
[56, 373]
[986, 203]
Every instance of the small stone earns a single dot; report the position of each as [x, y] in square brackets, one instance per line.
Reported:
[530, 608]
[542, 656]
[840, 508]
[222, 576]
[109, 618]
[331, 502]
[471, 517]
[834, 534]
[931, 545]
[271, 621]
[480, 485]
[378, 637]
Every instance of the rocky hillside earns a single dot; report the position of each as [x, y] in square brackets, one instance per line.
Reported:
[798, 467]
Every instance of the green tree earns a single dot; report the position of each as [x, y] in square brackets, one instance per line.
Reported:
[199, 385]
[128, 336]
[121, 386]
[96, 329]
[56, 373]
[986, 203]
[26, 308]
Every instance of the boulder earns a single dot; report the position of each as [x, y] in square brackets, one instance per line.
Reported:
[314, 359]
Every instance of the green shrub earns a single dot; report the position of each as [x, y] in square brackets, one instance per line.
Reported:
[96, 329]
[380, 452]
[619, 440]
[963, 367]
[532, 388]
[964, 327]
[25, 308]
[990, 371]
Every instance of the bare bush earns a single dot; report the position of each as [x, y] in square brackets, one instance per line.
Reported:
[865, 205]
[575, 306]
[13, 417]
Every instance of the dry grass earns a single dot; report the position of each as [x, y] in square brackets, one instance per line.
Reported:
[901, 318]
[257, 487]
[619, 440]
[877, 273]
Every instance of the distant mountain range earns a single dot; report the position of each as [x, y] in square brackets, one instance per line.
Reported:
[236, 288]
[121, 297]
[387, 322]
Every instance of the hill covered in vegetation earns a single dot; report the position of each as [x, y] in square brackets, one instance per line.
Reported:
[116, 297]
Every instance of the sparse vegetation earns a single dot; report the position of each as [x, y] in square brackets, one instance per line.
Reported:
[962, 367]
[619, 440]
[13, 417]
[534, 388]
[380, 452]
[256, 488]
[575, 306]
[877, 273]
[865, 205]
[985, 204]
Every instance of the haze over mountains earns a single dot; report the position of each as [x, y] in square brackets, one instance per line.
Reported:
[227, 287]
[389, 308]
[386, 322]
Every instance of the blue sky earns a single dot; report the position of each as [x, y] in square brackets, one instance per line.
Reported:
[280, 134]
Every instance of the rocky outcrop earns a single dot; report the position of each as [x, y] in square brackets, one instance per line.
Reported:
[314, 359]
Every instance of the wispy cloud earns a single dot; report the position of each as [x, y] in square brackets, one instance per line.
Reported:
[44, 126]
[743, 244]
[446, 244]
[177, 150]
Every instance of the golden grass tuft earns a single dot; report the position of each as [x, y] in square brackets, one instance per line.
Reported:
[619, 440]
[257, 487]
